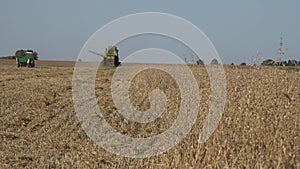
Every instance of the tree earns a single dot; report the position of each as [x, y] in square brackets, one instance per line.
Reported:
[268, 62]
[200, 62]
[214, 62]
[20, 53]
[8, 57]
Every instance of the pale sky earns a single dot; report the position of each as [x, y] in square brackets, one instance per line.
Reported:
[57, 30]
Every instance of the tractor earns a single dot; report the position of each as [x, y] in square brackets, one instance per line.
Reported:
[26, 60]
[110, 57]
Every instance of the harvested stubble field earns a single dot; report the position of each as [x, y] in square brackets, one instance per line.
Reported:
[259, 128]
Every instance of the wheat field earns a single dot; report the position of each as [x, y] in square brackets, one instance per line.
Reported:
[259, 127]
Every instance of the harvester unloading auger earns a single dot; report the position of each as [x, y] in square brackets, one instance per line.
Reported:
[110, 57]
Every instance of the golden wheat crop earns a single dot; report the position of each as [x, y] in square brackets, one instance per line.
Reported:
[259, 128]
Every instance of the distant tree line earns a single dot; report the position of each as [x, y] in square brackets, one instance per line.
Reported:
[213, 62]
[20, 53]
[268, 62]
[8, 57]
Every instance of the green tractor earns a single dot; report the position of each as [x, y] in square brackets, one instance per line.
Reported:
[26, 60]
[110, 57]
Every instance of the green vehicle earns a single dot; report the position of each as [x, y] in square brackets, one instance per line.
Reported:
[27, 60]
[110, 57]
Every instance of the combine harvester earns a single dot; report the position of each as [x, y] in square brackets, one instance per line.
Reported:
[110, 57]
[26, 60]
